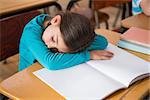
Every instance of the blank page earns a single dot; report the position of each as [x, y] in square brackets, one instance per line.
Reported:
[123, 67]
[79, 82]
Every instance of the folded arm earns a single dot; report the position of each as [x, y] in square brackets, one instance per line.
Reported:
[55, 61]
[50, 60]
[99, 43]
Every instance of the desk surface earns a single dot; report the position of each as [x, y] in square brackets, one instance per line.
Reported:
[141, 21]
[13, 6]
[31, 87]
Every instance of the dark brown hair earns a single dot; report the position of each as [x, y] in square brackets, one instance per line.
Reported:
[76, 30]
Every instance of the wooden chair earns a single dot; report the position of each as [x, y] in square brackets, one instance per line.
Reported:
[11, 30]
[98, 4]
[95, 16]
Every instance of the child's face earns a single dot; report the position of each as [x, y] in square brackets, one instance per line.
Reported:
[52, 36]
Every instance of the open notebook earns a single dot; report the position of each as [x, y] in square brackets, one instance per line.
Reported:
[96, 79]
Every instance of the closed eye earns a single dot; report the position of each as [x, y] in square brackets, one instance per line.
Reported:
[53, 40]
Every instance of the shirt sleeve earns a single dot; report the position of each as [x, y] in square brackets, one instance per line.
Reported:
[99, 43]
[48, 59]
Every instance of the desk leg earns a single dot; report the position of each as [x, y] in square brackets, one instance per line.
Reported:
[117, 17]
[125, 5]
[96, 19]
[124, 11]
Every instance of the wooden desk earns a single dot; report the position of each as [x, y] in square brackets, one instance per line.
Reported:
[24, 85]
[141, 21]
[12, 7]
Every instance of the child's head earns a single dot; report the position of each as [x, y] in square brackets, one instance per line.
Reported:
[68, 32]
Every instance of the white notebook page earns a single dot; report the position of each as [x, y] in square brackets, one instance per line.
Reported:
[123, 67]
[79, 82]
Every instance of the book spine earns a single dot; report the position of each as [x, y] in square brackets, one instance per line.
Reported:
[134, 47]
[136, 43]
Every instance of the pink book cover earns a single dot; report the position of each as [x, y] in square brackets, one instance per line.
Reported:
[138, 36]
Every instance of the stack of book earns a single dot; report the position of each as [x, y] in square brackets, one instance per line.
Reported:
[136, 39]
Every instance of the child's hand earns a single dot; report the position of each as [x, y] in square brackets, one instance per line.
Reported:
[101, 55]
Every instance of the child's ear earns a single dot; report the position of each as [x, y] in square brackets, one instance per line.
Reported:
[56, 20]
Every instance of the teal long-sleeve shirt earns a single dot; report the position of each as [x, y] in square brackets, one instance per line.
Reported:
[33, 48]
